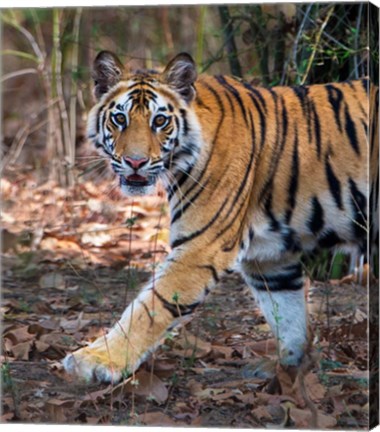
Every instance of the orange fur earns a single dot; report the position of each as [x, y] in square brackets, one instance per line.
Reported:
[269, 172]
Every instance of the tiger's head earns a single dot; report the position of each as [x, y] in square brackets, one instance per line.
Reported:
[143, 121]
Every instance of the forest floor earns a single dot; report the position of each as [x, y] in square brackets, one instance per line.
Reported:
[72, 259]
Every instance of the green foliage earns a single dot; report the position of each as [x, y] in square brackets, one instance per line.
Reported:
[131, 222]
[324, 265]
[6, 379]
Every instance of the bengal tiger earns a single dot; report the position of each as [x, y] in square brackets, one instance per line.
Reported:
[254, 176]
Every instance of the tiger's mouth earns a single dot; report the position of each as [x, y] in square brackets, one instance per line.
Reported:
[137, 180]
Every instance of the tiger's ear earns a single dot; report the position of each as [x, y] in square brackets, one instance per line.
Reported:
[107, 71]
[181, 73]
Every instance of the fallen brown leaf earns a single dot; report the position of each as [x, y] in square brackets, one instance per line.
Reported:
[18, 335]
[21, 350]
[56, 409]
[302, 419]
[143, 384]
[7, 417]
[208, 393]
[314, 388]
[192, 346]
[72, 326]
[264, 347]
[156, 418]
[262, 413]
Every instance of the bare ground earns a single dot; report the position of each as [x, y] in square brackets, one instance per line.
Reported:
[210, 374]
[72, 260]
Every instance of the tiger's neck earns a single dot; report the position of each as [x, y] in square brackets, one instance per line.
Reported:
[187, 160]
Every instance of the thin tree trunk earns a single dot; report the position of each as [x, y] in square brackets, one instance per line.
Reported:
[166, 28]
[229, 40]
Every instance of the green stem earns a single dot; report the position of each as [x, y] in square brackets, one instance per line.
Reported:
[21, 54]
[317, 40]
[200, 35]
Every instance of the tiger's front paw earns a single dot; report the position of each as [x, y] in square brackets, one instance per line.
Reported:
[96, 364]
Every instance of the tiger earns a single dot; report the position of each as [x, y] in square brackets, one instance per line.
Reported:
[254, 177]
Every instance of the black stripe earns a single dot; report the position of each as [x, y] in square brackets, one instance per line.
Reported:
[275, 226]
[284, 285]
[205, 168]
[365, 127]
[151, 94]
[190, 201]
[200, 102]
[189, 149]
[329, 239]
[293, 183]
[288, 271]
[365, 84]
[147, 312]
[335, 97]
[228, 247]
[141, 83]
[131, 94]
[183, 177]
[176, 120]
[221, 80]
[212, 270]
[182, 240]
[316, 221]
[257, 93]
[185, 123]
[262, 120]
[290, 240]
[334, 184]
[302, 93]
[231, 103]
[104, 119]
[98, 114]
[351, 131]
[243, 183]
[277, 151]
[237, 196]
[359, 207]
[288, 278]
[176, 309]
[279, 146]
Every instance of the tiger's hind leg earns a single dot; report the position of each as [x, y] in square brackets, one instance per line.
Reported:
[278, 289]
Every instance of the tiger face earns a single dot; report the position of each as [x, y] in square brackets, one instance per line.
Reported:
[140, 119]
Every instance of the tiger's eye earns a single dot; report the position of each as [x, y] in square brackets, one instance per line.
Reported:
[159, 120]
[120, 119]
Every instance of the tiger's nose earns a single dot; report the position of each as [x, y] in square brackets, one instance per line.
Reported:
[136, 163]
